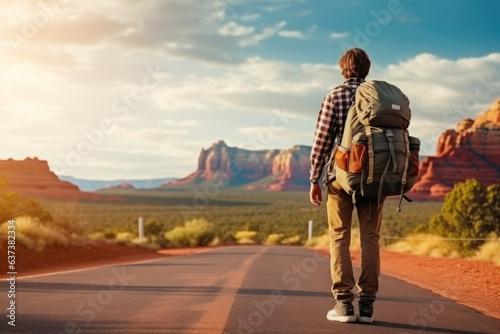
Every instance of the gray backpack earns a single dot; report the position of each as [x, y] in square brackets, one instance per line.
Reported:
[377, 157]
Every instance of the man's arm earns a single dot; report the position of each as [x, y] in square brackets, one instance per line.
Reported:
[315, 194]
[322, 146]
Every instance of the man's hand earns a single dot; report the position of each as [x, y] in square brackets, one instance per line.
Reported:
[315, 194]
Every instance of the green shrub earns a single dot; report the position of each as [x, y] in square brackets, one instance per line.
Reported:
[293, 240]
[34, 235]
[12, 205]
[196, 232]
[274, 239]
[153, 228]
[246, 237]
[470, 211]
[109, 235]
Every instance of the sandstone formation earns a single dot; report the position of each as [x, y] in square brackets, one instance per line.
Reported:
[472, 150]
[32, 177]
[264, 169]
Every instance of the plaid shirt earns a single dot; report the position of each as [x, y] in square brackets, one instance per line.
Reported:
[330, 125]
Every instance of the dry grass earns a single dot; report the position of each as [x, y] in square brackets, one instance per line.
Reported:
[34, 235]
[323, 241]
[69, 217]
[273, 239]
[246, 237]
[293, 240]
[489, 251]
[424, 244]
[320, 241]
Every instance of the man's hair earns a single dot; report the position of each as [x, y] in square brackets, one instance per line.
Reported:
[355, 63]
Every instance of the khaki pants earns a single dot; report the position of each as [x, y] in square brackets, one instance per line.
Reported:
[340, 209]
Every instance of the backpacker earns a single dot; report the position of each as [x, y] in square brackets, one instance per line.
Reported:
[377, 157]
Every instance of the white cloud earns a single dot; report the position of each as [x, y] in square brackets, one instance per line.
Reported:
[291, 34]
[265, 34]
[183, 123]
[250, 17]
[339, 35]
[234, 29]
[444, 91]
[275, 8]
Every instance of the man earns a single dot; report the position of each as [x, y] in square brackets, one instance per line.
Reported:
[355, 65]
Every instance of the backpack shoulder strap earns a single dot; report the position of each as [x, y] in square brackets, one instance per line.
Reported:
[352, 90]
[370, 155]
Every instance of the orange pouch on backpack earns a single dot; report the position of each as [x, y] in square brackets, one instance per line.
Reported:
[357, 158]
[342, 159]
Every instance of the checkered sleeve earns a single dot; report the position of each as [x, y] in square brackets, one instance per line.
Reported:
[324, 138]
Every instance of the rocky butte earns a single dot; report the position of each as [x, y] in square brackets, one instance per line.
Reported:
[471, 150]
[32, 177]
[263, 169]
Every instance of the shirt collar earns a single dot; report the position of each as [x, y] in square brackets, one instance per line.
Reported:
[354, 81]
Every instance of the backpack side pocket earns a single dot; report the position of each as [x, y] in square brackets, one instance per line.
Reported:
[342, 158]
[357, 158]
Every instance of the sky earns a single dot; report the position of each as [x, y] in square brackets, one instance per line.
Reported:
[126, 89]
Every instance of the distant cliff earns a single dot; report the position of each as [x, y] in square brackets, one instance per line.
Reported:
[265, 169]
[32, 177]
[472, 150]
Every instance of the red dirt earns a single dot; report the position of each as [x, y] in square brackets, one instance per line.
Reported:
[472, 283]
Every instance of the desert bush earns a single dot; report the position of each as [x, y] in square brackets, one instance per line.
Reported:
[489, 251]
[322, 240]
[273, 239]
[293, 240]
[424, 244]
[246, 237]
[470, 211]
[109, 235]
[34, 235]
[69, 217]
[153, 227]
[196, 232]
[12, 205]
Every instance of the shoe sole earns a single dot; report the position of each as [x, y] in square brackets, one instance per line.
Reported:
[342, 318]
[365, 320]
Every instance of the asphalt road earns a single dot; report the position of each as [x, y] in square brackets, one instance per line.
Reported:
[245, 289]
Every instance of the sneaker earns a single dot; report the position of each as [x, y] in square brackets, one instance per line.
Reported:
[341, 313]
[365, 313]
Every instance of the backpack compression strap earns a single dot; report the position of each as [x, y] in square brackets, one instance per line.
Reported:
[370, 154]
[405, 170]
[390, 138]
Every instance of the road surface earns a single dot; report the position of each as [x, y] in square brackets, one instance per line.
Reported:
[241, 289]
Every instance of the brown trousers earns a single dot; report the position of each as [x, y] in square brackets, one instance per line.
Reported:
[340, 208]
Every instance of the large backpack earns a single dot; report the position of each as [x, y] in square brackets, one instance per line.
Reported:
[377, 157]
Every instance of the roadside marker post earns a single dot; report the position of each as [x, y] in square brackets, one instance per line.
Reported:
[310, 230]
[141, 229]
